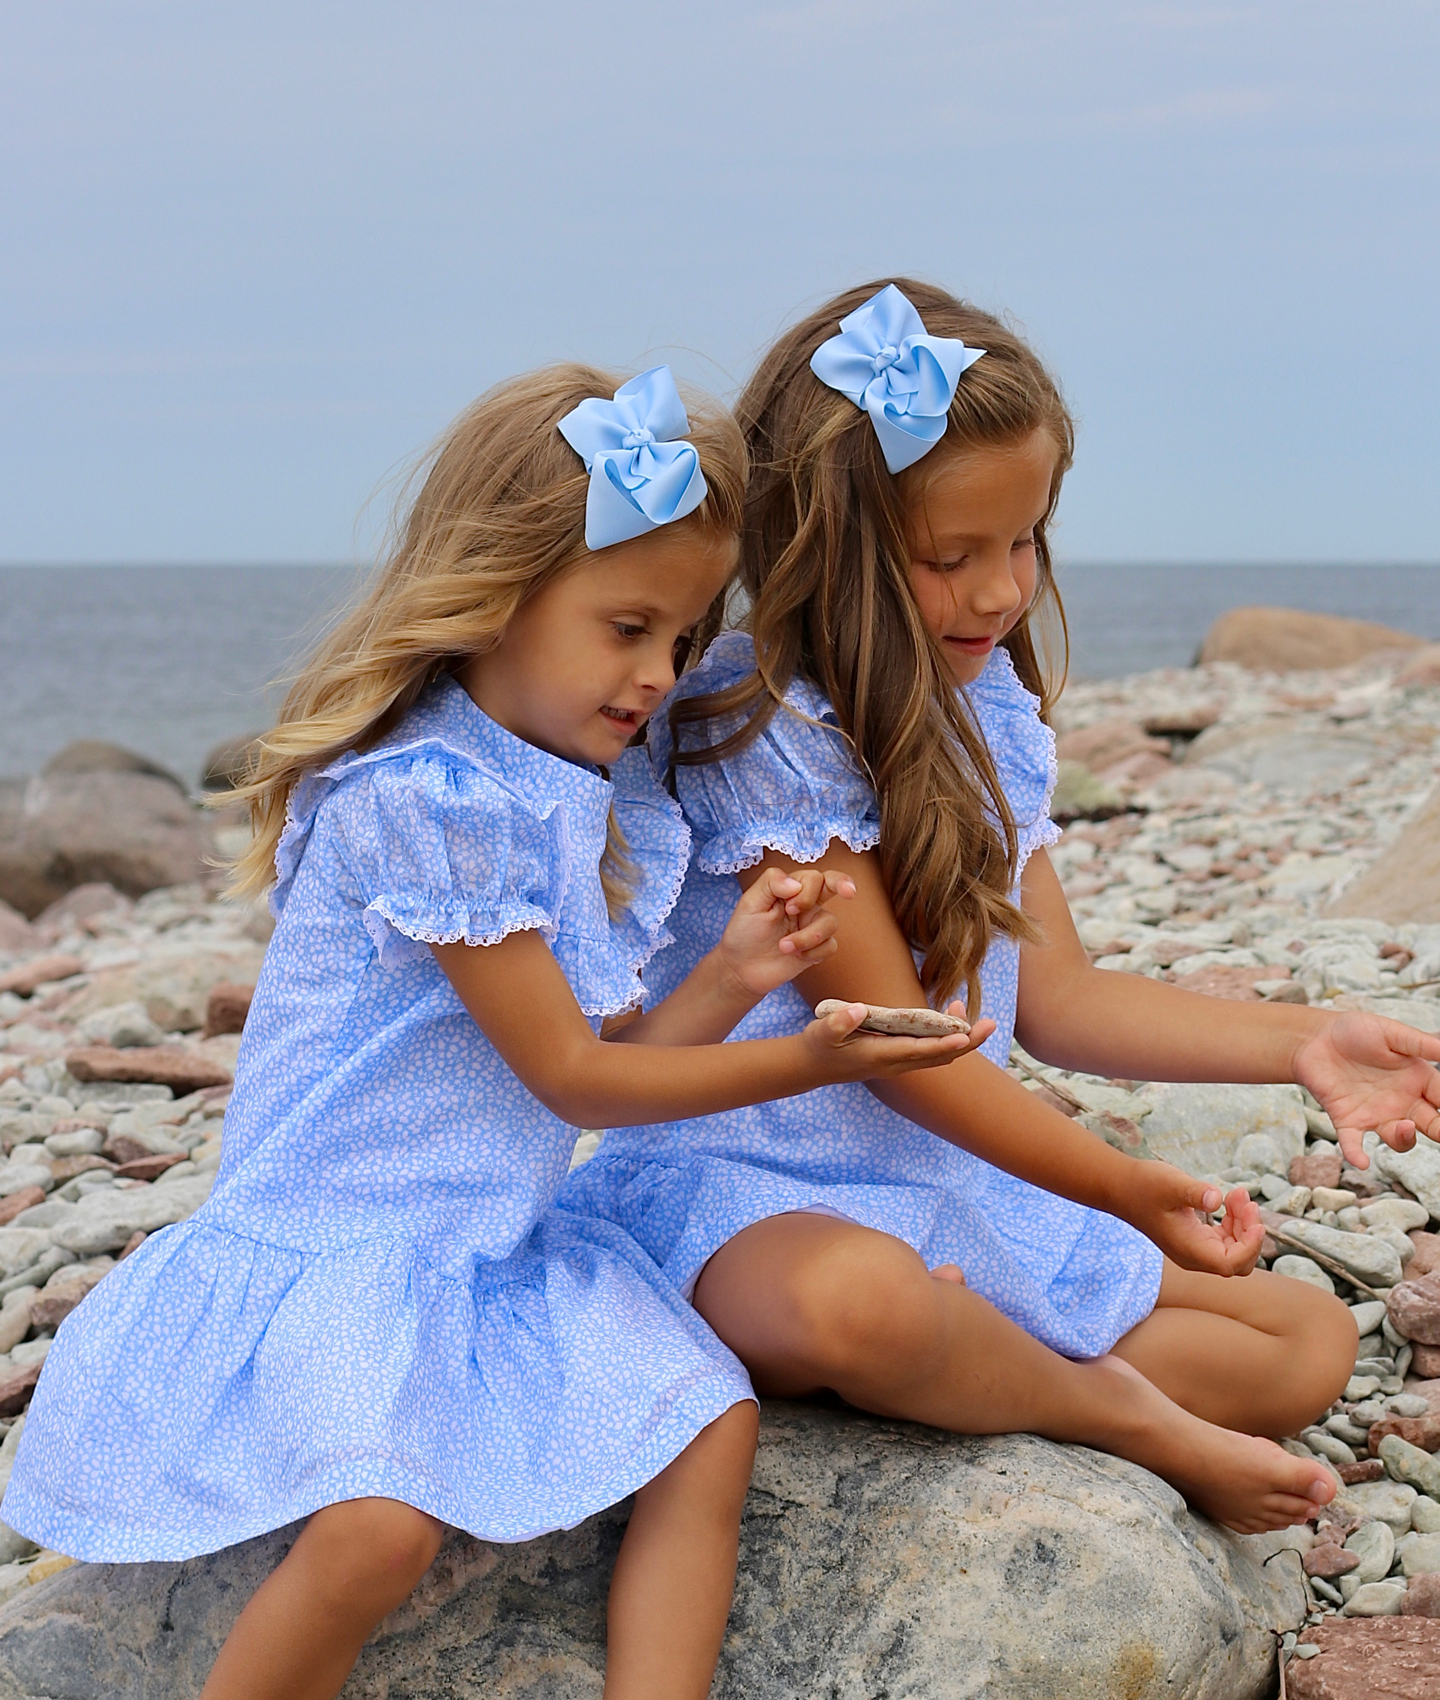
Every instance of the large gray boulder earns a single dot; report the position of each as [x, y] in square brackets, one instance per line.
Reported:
[877, 1558]
[130, 830]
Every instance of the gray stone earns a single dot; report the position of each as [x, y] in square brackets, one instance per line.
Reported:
[21, 1247]
[1198, 1128]
[105, 1220]
[876, 1558]
[1328, 1446]
[13, 1545]
[1419, 1554]
[124, 1025]
[1407, 1463]
[16, 1177]
[1304, 1269]
[1390, 1502]
[1376, 1599]
[79, 1142]
[1368, 1316]
[1375, 1261]
[1417, 1170]
[1375, 1545]
[1397, 1214]
[1425, 1515]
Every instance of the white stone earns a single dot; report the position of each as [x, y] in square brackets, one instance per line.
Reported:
[1374, 1544]
[1419, 1554]
[1375, 1599]
[1200, 1128]
[1303, 1269]
[1385, 1501]
[105, 1220]
[1399, 1214]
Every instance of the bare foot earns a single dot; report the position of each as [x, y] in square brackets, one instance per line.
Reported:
[949, 1272]
[1240, 1480]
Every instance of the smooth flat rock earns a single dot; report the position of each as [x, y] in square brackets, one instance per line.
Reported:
[1286, 640]
[876, 1558]
[1384, 1658]
[1403, 883]
[1277, 754]
[1198, 1127]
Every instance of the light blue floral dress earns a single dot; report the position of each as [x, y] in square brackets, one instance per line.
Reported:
[378, 1297]
[1075, 1278]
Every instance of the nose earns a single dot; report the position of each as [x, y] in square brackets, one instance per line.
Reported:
[994, 591]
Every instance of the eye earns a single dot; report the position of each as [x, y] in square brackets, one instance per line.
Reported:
[948, 566]
[628, 632]
[1024, 542]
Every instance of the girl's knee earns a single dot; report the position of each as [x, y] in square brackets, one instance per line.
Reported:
[865, 1300]
[373, 1545]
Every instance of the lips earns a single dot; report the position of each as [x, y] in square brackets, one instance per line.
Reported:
[628, 718]
[973, 646]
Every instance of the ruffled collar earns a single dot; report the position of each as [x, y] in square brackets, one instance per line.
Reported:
[449, 717]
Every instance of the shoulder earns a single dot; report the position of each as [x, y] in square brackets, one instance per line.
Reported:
[793, 787]
[430, 807]
[1021, 745]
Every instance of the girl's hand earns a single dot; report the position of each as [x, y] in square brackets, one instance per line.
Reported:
[1173, 1210]
[1373, 1075]
[781, 927]
[845, 1054]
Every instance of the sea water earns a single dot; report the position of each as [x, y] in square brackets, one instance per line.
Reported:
[171, 660]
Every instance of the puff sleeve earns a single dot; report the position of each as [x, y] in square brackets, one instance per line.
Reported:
[440, 850]
[794, 788]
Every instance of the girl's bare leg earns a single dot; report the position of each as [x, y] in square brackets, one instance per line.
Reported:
[306, 1623]
[1264, 1354]
[809, 1302]
[670, 1595]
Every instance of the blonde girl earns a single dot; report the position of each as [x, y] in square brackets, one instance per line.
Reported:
[946, 1247]
[379, 1322]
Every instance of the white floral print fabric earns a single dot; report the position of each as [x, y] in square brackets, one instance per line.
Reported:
[1075, 1278]
[380, 1297]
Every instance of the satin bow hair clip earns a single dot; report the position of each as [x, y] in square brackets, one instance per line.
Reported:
[889, 366]
[643, 474]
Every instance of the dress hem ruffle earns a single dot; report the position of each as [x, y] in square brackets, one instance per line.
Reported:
[40, 1519]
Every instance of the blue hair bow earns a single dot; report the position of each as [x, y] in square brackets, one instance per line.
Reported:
[888, 365]
[642, 474]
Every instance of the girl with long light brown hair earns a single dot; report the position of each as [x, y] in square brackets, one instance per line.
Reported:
[947, 1248]
[378, 1322]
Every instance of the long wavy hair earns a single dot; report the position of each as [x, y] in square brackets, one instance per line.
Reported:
[826, 566]
[500, 514]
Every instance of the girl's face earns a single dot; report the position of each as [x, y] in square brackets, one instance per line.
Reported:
[971, 527]
[586, 661]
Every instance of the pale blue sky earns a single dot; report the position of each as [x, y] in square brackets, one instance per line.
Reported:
[253, 257]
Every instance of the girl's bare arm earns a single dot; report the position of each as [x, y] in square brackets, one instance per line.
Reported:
[521, 1000]
[1369, 1073]
[979, 1107]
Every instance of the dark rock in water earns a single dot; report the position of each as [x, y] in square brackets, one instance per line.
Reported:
[94, 755]
[129, 830]
[876, 1558]
[1282, 640]
[227, 764]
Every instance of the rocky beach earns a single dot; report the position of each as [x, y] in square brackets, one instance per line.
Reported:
[1264, 825]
